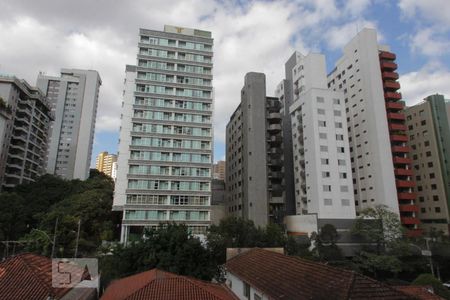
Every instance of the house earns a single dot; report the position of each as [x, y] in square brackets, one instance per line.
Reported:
[261, 274]
[29, 276]
[160, 285]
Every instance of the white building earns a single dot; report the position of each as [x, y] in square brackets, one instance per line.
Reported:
[358, 75]
[74, 98]
[165, 150]
[322, 168]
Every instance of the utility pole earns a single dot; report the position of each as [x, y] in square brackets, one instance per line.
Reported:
[429, 256]
[54, 238]
[78, 237]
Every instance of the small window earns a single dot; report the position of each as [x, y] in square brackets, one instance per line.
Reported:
[246, 290]
[345, 202]
[320, 100]
[328, 202]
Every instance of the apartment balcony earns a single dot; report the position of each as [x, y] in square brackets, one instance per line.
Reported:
[274, 128]
[397, 127]
[392, 96]
[402, 160]
[275, 152]
[275, 175]
[399, 138]
[274, 116]
[388, 66]
[275, 187]
[403, 172]
[406, 196]
[275, 162]
[405, 184]
[275, 140]
[396, 116]
[387, 55]
[390, 75]
[400, 149]
[391, 85]
[409, 220]
[408, 208]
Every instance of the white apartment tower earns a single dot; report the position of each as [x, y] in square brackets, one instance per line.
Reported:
[165, 150]
[321, 156]
[358, 75]
[73, 97]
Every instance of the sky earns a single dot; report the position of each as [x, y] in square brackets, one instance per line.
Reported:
[249, 36]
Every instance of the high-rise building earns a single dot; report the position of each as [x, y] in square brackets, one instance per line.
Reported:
[219, 170]
[254, 155]
[429, 141]
[165, 150]
[73, 97]
[25, 118]
[321, 156]
[104, 163]
[377, 133]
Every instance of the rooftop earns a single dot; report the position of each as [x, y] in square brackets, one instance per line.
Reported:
[279, 276]
[161, 285]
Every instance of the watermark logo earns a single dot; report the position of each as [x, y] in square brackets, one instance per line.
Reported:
[75, 273]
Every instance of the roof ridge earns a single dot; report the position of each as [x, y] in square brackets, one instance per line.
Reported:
[380, 283]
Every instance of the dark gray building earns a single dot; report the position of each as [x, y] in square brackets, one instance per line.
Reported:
[254, 156]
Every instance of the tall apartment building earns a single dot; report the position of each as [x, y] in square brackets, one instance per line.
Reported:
[219, 170]
[429, 141]
[105, 162]
[254, 155]
[25, 118]
[381, 165]
[73, 97]
[321, 156]
[165, 150]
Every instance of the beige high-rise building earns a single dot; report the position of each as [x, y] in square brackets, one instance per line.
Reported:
[429, 140]
[219, 170]
[104, 163]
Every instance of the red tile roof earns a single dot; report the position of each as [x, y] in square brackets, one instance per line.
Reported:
[159, 285]
[284, 277]
[420, 292]
[28, 276]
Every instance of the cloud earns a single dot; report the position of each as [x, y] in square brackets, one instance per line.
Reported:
[434, 11]
[339, 35]
[427, 81]
[430, 42]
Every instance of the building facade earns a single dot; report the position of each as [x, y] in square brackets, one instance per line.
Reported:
[25, 118]
[219, 170]
[321, 156]
[377, 134]
[165, 150]
[429, 141]
[254, 155]
[74, 98]
[105, 163]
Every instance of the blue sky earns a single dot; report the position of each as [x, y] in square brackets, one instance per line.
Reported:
[249, 36]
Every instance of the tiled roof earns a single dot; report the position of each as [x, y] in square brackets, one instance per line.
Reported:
[284, 277]
[159, 285]
[28, 276]
[420, 292]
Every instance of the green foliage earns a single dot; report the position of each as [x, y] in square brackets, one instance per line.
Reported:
[378, 266]
[30, 213]
[430, 280]
[12, 216]
[169, 247]
[325, 244]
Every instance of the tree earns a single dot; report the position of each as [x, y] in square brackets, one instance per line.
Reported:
[430, 280]
[379, 226]
[12, 224]
[325, 244]
[169, 247]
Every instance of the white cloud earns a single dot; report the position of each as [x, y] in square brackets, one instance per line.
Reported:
[420, 84]
[258, 36]
[430, 42]
[433, 11]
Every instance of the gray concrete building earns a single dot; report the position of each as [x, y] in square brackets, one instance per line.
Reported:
[254, 156]
[74, 98]
[429, 143]
[24, 123]
[165, 150]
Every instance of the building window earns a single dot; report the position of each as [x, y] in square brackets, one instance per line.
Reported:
[257, 297]
[246, 290]
[325, 174]
[323, 148]
[435, 198]
[327, 202]
[345, 202]
[321, 111]
[320, 100]
[437, 209]
[326, 188]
